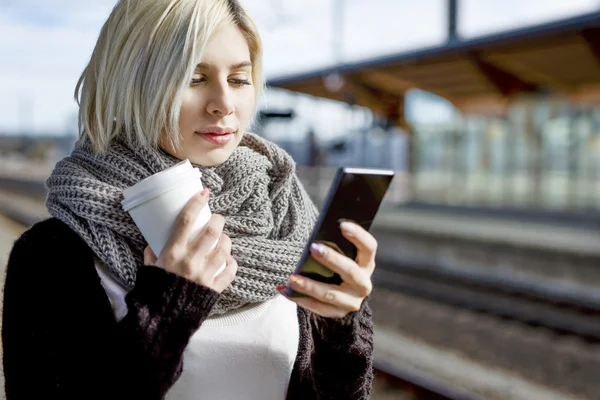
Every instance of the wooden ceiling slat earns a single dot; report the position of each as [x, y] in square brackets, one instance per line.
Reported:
[592, 39]
[418, 71]
[446, 79]
[471, 87]
[399, 84]
[530, 73]
[460, 91]
[558, 53]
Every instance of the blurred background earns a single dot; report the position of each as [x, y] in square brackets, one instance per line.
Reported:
[488, 274]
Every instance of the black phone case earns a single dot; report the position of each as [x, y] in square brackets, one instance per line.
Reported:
[355, 195]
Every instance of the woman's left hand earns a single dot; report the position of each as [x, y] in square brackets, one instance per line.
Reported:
[337, 301]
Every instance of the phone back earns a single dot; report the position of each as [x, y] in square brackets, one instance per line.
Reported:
[355, 195]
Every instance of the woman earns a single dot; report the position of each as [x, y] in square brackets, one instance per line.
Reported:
[91, 312]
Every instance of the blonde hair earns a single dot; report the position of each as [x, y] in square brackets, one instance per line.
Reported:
[144, 58]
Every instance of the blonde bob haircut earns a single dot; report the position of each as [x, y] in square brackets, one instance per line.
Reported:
[144, 59]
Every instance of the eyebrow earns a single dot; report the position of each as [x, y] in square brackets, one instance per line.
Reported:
[239, 65]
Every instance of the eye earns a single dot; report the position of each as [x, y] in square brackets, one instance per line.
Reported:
[196, 79]
[240, 81]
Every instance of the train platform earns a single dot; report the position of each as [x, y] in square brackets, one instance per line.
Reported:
[550, 236]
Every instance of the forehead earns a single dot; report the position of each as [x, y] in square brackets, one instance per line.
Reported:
[226, 47]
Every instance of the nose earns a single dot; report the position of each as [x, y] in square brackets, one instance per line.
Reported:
[220, 103]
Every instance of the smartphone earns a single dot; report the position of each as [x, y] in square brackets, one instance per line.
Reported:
[355, 195]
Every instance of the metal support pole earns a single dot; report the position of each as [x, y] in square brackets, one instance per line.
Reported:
[452, 20]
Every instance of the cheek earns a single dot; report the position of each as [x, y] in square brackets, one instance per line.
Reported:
[245, 107]
[189, 107]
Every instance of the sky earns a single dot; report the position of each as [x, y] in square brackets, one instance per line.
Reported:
[44, 45]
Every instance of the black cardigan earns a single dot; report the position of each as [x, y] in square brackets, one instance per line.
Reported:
[61, 339]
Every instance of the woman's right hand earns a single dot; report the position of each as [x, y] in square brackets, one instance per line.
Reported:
[192, 258]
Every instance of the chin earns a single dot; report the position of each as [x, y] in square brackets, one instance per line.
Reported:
[212, 159]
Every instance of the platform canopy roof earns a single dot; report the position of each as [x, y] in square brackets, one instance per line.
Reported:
[480, 75]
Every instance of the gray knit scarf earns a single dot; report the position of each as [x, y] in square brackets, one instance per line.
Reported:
[268, 214]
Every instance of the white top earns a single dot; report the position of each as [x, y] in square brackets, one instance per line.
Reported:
[247, 353]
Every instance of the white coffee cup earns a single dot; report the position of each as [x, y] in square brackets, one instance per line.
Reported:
[155, 203]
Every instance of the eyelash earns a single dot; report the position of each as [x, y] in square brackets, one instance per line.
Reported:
[240, 82]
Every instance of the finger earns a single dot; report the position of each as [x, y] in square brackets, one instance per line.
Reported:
[365, 243]
[187, 217]
[316, 306]
[149, 256]
[219, 255]
[326, 293]
[352, 275]
[228, 275]
[204, 242]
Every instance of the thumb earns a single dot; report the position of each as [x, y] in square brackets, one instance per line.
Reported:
[149, 256]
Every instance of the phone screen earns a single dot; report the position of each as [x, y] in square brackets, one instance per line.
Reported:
[355, 195]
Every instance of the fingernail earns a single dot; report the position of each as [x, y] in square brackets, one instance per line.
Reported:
[205, 193]
[318, 248]
[348, 228]
[297, 280]
[280, 288]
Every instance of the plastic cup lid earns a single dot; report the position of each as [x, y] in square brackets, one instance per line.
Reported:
[158, 184]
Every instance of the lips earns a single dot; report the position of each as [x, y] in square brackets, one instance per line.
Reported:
[216, 130]
[218, 136]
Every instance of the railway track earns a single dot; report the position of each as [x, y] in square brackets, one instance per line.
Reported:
[414, 385]
[564, 316]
